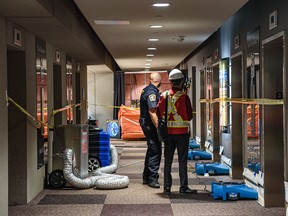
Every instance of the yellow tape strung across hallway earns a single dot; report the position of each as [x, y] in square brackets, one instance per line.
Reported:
[50, 123]
[35, 119]
[61, 110]
[133, 108]
[24, 111]
[260, 101]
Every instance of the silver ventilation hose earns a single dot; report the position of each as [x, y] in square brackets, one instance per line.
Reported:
[101, 178]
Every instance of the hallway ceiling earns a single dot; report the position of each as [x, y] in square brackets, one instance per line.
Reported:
[187, 23]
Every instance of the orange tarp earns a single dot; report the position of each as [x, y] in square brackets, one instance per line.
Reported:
[129, 122]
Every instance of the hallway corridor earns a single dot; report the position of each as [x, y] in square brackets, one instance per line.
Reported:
[140, 199]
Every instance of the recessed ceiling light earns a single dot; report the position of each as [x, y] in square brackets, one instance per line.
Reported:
[147, 64]
[156, 26]
[112, 22]
[151, 48]
[161, 4]
[153, 39]
[150, 55]
[148, 60]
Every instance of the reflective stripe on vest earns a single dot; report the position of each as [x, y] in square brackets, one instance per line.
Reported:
[179, 122]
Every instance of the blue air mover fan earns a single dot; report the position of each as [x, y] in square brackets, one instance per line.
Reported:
[113, 128]
[199, 155]
[193, 144]
[211, 169]
[232, 191]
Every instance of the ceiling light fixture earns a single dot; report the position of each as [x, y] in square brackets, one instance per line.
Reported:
[150, 55]
[147, 64]
[151, 48]
[112, 22]
[148, 60]
[153, 39]
[161, 4]
[156, 26]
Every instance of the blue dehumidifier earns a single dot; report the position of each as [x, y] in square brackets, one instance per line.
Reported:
[193, 144]
[199, 155]
[99, 149]
[232, 191]
[211, 169]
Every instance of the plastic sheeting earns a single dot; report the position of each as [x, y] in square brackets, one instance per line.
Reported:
[129, 121]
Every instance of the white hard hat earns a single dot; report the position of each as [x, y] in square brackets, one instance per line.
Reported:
[175, 74]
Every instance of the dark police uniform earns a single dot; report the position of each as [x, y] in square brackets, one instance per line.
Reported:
[149, 99]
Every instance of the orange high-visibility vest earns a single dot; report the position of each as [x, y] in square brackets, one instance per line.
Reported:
[177, 116]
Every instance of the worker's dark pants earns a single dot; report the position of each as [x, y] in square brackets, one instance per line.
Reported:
[153, 154]
[181, 142]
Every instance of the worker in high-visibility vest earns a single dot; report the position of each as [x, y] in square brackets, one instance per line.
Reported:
[179, 113]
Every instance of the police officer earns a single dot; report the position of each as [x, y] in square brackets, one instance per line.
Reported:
[179, 112]
[149, 121]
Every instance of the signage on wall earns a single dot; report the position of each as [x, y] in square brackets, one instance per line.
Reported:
[17, 37]
[253, 37]
[273, 20]
[237, 42]
[57, 56]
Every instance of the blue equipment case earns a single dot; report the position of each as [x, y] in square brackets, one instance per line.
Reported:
[199, 155]
[211, 169]
[99, 146]
[232, 191]
[193, 144]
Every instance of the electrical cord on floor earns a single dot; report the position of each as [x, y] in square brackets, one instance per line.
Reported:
[201, 182]
[130, 164]
[192, 169]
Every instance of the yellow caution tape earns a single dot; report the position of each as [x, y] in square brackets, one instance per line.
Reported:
[37, 120]
[114, 106]
[25, 111]
[54, 112]
[260, 101]
[108, 106]
[61, 110]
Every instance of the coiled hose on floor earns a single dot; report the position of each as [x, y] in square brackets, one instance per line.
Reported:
[102, 177]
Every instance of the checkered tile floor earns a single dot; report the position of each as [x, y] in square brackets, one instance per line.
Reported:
[140, 199]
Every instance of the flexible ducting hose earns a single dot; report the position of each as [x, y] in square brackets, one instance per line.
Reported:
[101, 179]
